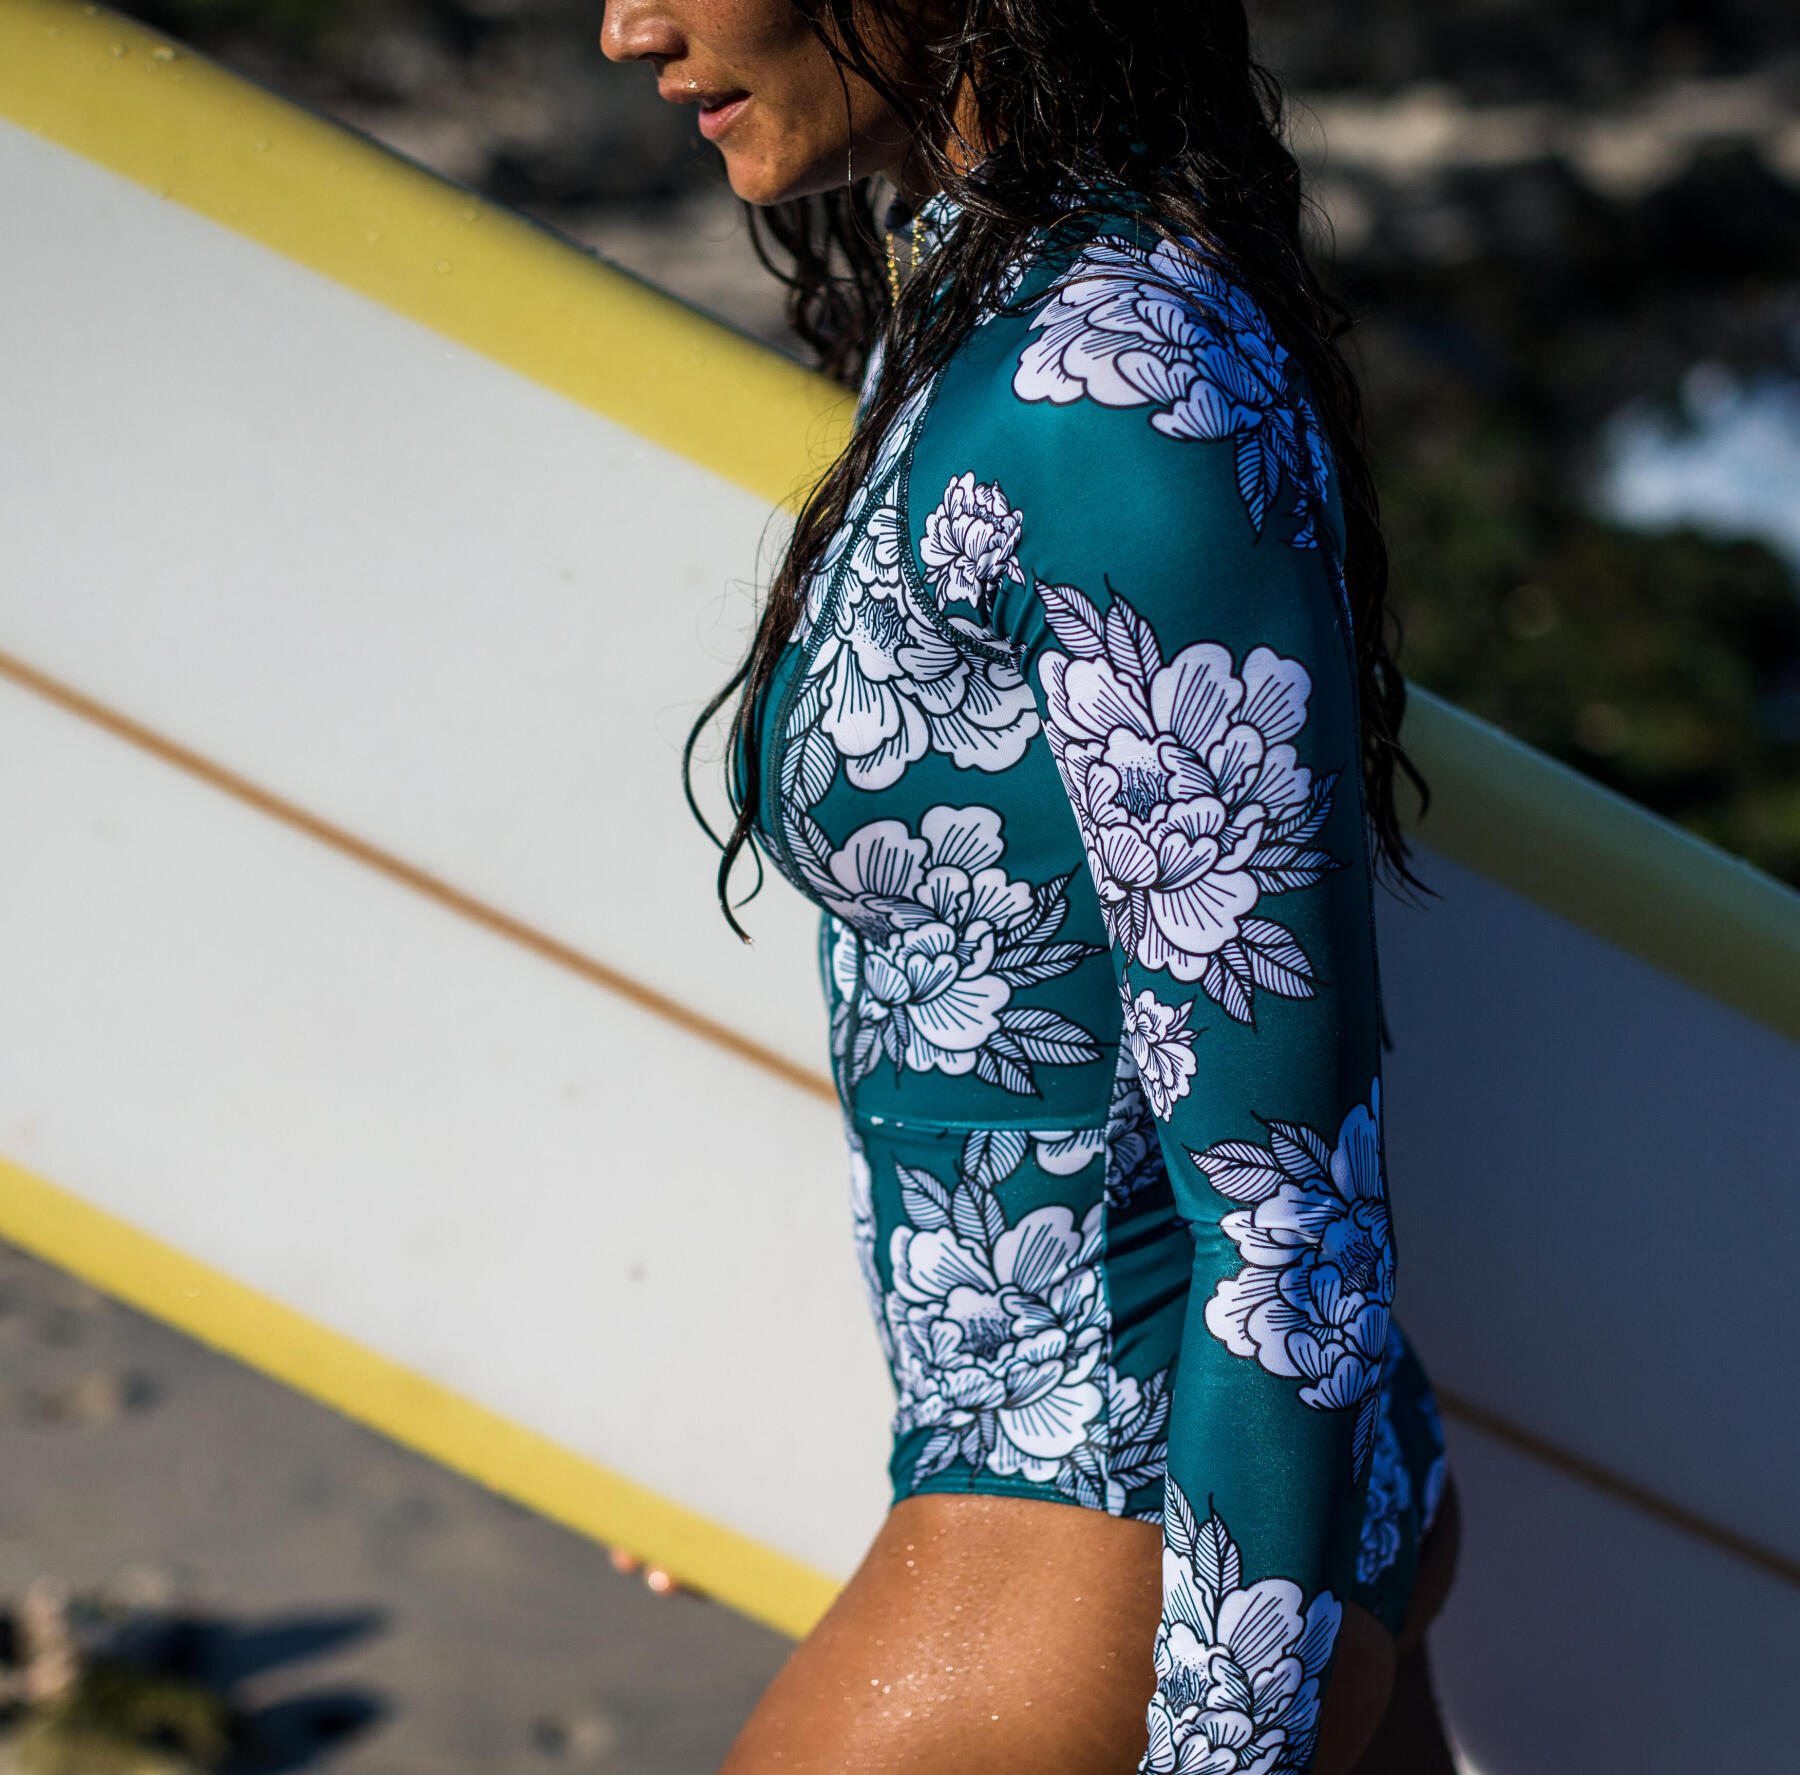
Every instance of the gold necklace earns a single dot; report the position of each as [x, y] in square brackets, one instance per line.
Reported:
[893, 257]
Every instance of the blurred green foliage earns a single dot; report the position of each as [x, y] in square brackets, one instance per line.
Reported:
[1666, 666]
[121, 1720]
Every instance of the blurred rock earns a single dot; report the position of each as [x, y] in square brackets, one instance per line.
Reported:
[582, 1736]
[93, 1399]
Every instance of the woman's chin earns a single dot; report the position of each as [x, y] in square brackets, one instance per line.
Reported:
[751, 183]
[763, 173]
[752, 177]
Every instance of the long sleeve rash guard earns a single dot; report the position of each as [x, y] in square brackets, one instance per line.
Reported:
[1066, 747]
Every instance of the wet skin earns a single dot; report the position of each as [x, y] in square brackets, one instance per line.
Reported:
[985, 1635]
[980, 1633]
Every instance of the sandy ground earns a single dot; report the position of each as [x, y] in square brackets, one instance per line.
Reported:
[378, 1614]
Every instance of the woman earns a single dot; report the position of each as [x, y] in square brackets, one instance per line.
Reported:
[1072, 709]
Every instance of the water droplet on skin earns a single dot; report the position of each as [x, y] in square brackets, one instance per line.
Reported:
[469, 213]
[442, 268]
[263, 144]
[116, 49]
[162, 53]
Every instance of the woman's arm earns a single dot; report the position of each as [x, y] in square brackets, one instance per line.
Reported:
[1182, 628]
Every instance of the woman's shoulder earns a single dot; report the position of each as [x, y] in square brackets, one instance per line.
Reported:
[1142, 362]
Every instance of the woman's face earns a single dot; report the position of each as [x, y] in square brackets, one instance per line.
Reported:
[789, 122]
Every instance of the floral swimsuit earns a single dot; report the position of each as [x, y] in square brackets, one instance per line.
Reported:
[1065, 744]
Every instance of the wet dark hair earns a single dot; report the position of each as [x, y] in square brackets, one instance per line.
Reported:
[1159, 105]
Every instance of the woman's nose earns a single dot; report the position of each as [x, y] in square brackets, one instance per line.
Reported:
[638, 31]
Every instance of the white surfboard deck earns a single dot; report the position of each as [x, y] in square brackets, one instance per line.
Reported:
[443, 609]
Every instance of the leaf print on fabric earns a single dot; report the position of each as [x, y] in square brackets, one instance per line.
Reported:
[1239, 1668]
[991, 1155]
[862, 1233]
[970, 544]
[1134, 1158]
[1390, 1498]
[1127, 1142]
[1189, 796]
[947, 937]
[1314, 1298]
[1130, 327]
[1001, 1347]
[1161, 1047]
[852, 547]
[1137, 1447]
[841, 969]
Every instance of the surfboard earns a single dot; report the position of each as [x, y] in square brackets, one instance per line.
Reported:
[365, 1008]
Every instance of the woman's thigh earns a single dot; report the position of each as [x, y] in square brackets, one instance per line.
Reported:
[992, 1634]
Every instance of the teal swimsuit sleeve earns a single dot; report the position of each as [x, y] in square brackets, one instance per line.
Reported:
[1180, 619]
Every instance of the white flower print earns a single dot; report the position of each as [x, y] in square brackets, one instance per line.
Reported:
[1134, 1158]
[942, 937]
[1161, 1047]
[1190, 798]
[1390, 1498]
[991, 1155]
[1239, 1668]
[1314, 1297]
[970, 544]
[895, 687]
[862, 1234]
[885, 683]
[1000, 1332]
[1130, 327]
[1001, 1346]
[1128, 1143]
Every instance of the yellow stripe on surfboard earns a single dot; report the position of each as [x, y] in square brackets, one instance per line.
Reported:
[126, 97]
[1507, 812]
[142, 1271]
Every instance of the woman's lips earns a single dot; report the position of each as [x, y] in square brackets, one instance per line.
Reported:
[717, 115]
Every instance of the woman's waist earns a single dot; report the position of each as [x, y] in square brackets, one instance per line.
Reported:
[963, 1104]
